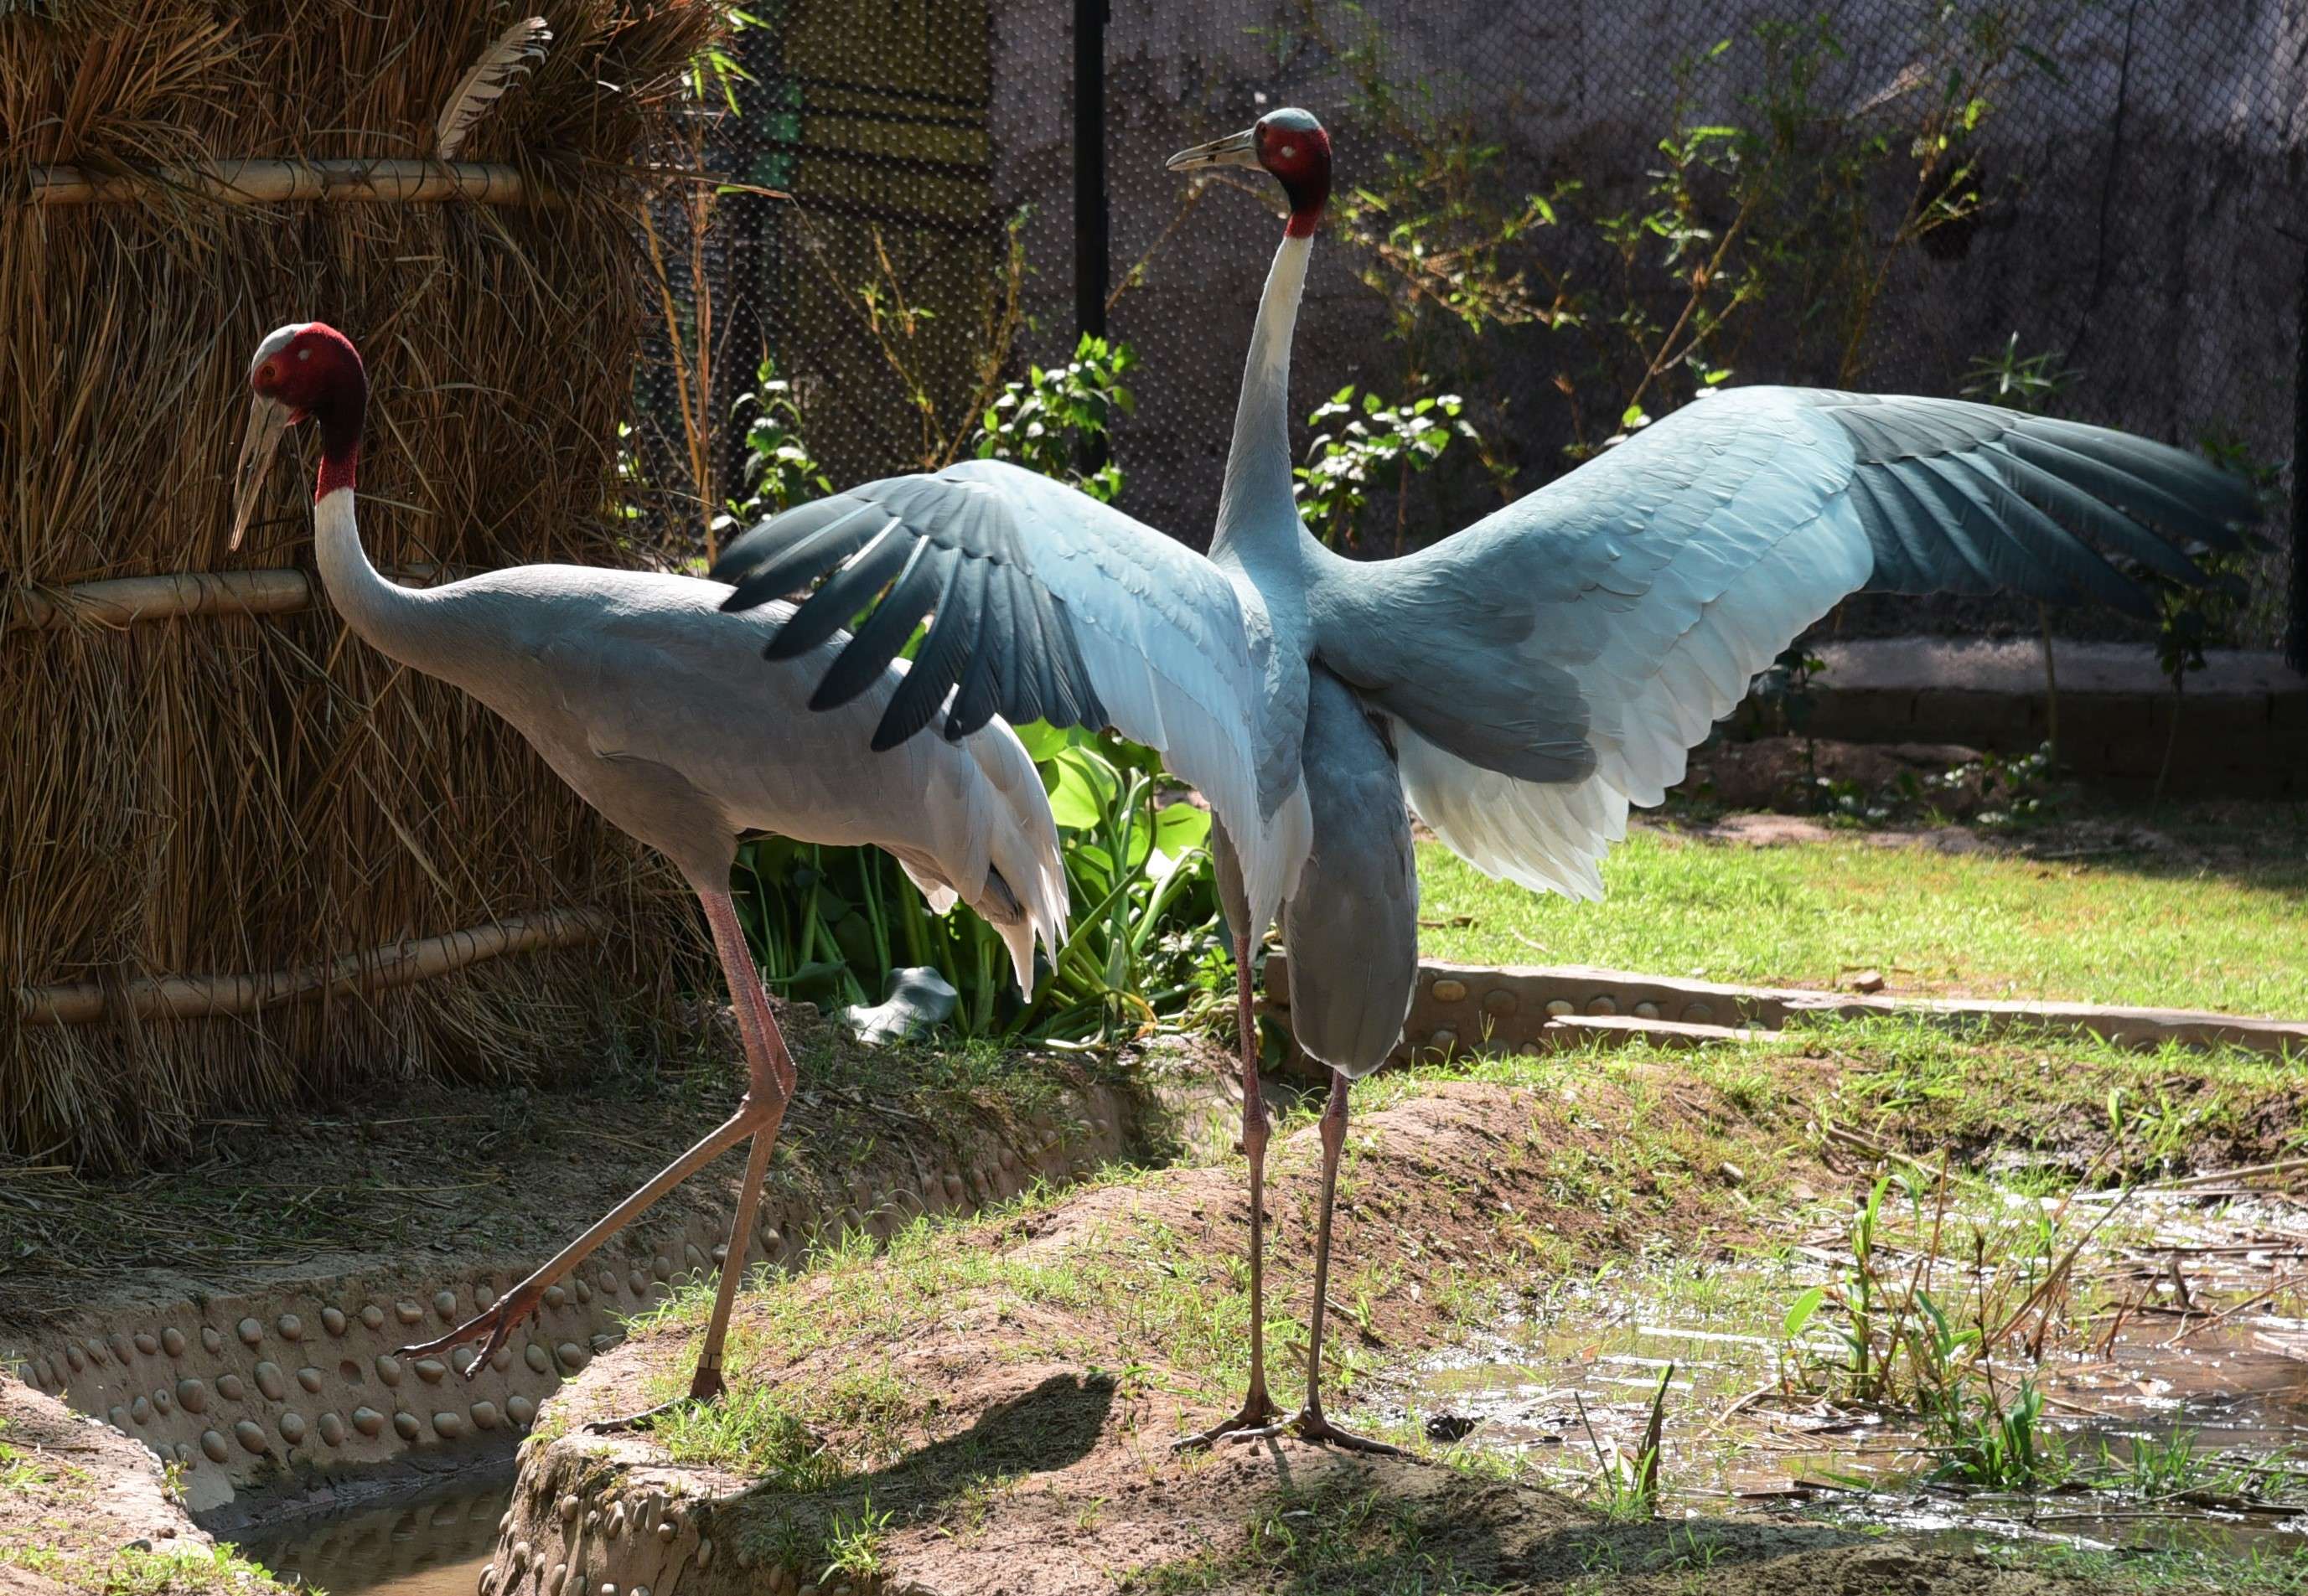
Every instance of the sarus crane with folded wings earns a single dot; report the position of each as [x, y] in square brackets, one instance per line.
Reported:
[1520, 684]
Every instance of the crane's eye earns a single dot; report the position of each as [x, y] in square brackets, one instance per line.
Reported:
[267, 374]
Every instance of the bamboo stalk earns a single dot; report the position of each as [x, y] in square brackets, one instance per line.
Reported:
[266, 182]
[397, 963]
[123, 600]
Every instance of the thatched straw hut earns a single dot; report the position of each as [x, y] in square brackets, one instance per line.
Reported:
[248, 860]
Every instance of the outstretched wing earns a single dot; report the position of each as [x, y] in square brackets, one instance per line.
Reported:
[1046, 605]
[1556, 661]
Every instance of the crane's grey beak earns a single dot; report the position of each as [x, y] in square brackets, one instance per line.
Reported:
[1236, 150]
[268, 420]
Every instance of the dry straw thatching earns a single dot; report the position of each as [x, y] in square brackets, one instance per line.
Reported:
[209, 807]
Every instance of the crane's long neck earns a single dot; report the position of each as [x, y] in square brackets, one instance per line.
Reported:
[412, 625]
[1258, 518]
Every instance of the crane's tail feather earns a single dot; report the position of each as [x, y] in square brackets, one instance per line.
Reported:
[1024, 898]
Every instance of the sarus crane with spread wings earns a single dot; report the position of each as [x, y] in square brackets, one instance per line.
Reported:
[1521, 685]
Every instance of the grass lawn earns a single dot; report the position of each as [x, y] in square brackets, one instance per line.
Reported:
[2178, 927]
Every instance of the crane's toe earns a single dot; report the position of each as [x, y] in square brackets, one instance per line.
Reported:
[1309, 1424]
[1258, 1413]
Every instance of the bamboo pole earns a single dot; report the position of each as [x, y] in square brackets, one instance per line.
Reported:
[123, 600]
[397, 963]
[267, 182]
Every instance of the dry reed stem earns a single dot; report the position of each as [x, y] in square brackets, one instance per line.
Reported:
[246, 792]
[271, 182]
[127, 600]
[189, 997]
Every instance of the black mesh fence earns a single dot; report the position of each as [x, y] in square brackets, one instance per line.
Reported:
[1572, 216]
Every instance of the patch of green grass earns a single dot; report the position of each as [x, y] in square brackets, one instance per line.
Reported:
[853, 1544]
[1932, 1086]
[2110, 930]
[19, 1472]
[2140, 1571]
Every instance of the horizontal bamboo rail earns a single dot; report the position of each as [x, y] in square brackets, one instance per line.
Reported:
[397, 963]
[123, 600]
[267, 182]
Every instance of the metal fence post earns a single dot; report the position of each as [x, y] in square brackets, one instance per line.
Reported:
[2296, 630]
[1090, 219]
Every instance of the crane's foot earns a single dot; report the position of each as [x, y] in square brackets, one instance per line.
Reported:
[1309, 1425]
[490, 1328]
[704, 1387]
[1258, 1412]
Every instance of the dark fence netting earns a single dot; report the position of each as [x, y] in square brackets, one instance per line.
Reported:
[1552, 223]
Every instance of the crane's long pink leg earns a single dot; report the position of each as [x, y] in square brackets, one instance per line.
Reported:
[1310, 1424]
[771, 1066]
[1257, 1406]
[771, 1081]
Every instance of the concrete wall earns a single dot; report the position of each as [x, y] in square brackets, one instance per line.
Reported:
[2241, 731]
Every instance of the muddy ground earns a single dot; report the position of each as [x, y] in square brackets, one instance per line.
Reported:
[990, 1408]
[419, 1178]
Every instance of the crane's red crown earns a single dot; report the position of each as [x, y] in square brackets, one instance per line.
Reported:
[314, 370]
[1291, 144]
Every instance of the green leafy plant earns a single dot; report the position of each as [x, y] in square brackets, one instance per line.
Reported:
[1360, 447]
[1785, 689]
[2018, 381]
[1143, 940]
[1055, 419]
[1997, 1441]
[2190, 618]
[779, 470]
[831, 924]
[855, 1546]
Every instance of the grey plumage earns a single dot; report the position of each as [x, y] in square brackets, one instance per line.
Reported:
[650, 699]
[652, 702]
[1352, 922]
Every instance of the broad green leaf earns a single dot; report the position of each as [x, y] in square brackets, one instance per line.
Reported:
[1800, 1314]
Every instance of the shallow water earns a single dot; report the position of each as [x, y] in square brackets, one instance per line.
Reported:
[432, 1543]
[1572, 1383]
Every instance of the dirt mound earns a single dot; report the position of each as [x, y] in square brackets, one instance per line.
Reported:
[84, 1507]
[989, 1409]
